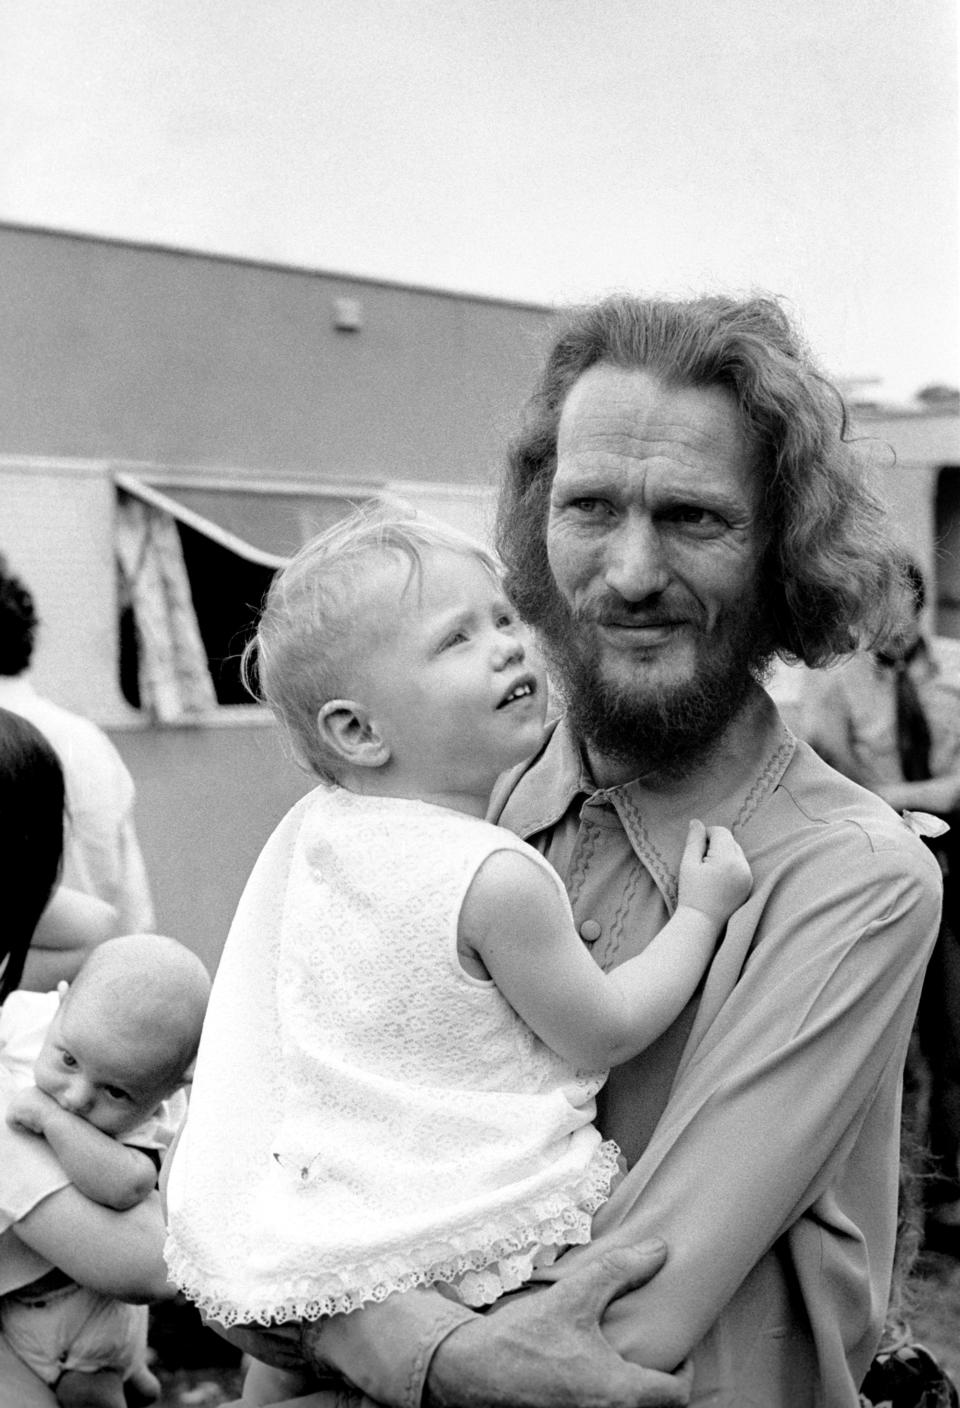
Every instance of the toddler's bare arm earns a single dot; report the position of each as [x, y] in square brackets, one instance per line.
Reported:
[516, 921]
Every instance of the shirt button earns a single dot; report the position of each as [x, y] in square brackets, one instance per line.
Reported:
[590, 931]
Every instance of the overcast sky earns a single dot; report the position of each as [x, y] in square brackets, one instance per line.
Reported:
[542, 150]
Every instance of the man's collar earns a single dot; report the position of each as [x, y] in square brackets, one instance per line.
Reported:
[537, 794]
[541, 790]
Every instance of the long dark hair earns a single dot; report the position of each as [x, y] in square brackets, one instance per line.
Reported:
[31, 837]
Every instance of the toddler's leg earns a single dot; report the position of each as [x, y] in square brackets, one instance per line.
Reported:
[101, 1389]
[285, 1388]
[141, 1387]
[264, 1384]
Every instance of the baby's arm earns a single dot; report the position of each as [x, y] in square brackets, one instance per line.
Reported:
[515, 920]
[98, 1165]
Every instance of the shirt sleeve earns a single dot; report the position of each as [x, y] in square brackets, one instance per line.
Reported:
[24, 1018]
[159, 1131]
[785, 1103]
[386, 1349]
[29, 1172]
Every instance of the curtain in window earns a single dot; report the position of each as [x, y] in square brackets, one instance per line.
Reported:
[174, 679]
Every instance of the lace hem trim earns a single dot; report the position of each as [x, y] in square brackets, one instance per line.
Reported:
[562, 1219]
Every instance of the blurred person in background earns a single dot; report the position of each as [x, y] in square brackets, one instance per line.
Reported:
[45, 1221]
[49, 929]
[102, 855]
[890, 720]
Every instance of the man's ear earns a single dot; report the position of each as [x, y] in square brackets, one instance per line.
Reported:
[347, 729]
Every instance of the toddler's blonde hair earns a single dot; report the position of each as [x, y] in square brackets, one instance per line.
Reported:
[312, 614]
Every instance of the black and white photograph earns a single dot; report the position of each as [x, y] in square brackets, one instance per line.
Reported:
[453, 449]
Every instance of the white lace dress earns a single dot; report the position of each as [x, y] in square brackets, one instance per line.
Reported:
[366, 1117]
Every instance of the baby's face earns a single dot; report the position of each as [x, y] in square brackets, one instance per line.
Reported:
[93, 1069]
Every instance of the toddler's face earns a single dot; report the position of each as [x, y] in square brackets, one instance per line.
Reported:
[454, 680]
[90, 1066]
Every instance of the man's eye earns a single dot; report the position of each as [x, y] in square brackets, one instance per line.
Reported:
[593, 508]
[693, 514]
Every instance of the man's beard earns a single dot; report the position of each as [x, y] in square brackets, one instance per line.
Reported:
[660, 730]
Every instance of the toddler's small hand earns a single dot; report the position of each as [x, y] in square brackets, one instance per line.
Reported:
[715, 875]
[30, 1109]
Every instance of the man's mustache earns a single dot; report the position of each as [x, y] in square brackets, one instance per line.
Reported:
[607, 611]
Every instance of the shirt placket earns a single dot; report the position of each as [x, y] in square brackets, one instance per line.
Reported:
[618, 904]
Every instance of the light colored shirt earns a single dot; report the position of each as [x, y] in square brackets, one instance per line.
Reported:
[102, 855]
[29, 1172]
[849, 713]
[763, 1128]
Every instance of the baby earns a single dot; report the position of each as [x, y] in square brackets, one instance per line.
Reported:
[396, 1081]
[106, 1096]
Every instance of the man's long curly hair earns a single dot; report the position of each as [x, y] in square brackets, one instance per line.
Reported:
[831, 572]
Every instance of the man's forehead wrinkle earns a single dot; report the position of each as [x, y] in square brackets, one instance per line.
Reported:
[652, 429]
[684, 464]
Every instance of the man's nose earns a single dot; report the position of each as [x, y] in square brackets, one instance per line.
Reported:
[636, 566]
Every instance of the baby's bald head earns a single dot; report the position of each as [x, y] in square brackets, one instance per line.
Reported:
[148, 992]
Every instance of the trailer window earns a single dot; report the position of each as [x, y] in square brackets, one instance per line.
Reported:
[194, 566]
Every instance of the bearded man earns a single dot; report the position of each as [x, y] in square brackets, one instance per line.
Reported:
[681, 506]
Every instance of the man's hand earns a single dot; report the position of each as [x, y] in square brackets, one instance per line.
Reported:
[546, 1349]
[30, 1109]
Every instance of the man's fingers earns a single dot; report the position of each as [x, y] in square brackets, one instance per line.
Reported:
[547, 1349]
[611, 1273]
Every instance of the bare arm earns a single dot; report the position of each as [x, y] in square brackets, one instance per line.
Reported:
[98, 1165]
[940, 795]
[516, 921]
[71, 925]
[118, 1253]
